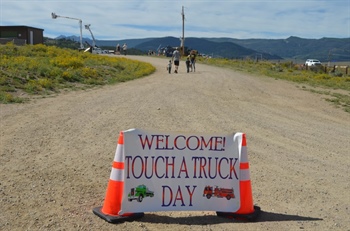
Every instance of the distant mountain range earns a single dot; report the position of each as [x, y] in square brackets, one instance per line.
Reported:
[292, 48]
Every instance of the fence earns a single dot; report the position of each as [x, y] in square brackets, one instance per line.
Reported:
[337, 69]
[16, 41]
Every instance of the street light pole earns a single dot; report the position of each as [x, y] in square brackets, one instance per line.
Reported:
[54, 16]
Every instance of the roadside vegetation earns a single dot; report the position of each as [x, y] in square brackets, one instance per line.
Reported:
[40, 70]
[333, 85]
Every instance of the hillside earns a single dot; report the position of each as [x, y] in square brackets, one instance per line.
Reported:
[204, 46]
[324, 49]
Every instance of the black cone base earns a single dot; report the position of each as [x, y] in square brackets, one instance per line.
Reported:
[116, 219]
[244, 217]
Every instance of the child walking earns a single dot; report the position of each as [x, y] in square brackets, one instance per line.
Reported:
[169, 66]
[188, 64]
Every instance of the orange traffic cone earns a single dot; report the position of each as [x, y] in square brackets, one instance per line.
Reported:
[247, 211]
[114, 195]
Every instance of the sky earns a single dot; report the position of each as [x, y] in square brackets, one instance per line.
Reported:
[131, 19]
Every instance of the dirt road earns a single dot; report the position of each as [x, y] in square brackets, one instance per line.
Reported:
[56, 152]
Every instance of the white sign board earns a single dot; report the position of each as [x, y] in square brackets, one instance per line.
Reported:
[180, 171]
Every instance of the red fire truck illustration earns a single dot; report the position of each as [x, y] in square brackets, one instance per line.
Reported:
[218, 192]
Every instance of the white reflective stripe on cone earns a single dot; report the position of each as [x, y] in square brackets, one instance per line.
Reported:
[117, 174]
[118, 157]
[244, 155]
[244, 175]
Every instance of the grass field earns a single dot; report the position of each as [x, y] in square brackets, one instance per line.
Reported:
[43, 70]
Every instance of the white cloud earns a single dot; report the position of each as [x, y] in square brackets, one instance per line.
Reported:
[125, 19]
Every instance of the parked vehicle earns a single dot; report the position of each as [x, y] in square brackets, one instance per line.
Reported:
[312, 62]
[218, 192]
[139, 193]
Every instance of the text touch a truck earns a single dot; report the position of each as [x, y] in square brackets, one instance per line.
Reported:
[218, 192]
[139, 192]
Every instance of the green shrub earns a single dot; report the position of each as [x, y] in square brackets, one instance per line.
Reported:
[32, 86]
[46, 83]
[338, 74]
[67, 62]
[8, 98]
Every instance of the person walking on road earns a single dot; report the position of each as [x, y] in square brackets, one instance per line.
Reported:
[125, 47]
[176, 59]
[118, 49]
[188, 64]
[193, 55]
[169, 67]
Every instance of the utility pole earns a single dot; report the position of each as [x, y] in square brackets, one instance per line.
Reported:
[182, 39]
[54, 16]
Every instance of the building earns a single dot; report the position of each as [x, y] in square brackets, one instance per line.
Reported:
[21, 35]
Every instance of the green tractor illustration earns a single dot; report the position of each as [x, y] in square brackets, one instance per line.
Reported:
[139, 192]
